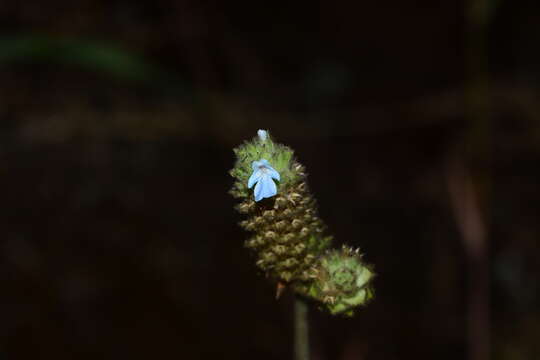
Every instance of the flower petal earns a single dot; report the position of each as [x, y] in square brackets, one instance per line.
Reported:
[265, 188]
[258, 191]
[254, 178]
[256, 165]
[270, 188]
[273, 173]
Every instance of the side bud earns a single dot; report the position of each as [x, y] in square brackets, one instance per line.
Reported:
[341, 282]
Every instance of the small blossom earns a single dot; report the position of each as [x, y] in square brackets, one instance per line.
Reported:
[263, 135]
[262, 176]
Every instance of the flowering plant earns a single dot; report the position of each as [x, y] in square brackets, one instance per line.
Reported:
[288, 238]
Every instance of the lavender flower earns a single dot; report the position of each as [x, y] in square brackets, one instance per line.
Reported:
[262, 176]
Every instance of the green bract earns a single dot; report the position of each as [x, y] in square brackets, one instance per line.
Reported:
[341, 281]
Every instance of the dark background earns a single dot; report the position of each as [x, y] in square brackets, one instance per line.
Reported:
[417, 122]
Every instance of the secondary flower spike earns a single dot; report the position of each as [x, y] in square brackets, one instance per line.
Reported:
[262, 175]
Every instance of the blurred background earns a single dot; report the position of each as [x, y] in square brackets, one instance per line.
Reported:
[417, 122]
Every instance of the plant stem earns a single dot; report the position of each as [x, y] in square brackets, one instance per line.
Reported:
[301, 330]
[473, 187]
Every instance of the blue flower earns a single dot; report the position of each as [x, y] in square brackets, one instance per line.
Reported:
[262, 175]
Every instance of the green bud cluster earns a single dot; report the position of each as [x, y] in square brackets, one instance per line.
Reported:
[341, 281]
[289, 239]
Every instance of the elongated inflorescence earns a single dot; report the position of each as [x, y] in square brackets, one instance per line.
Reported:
[288, 238]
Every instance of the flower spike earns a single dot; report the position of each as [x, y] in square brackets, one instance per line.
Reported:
[288, 238]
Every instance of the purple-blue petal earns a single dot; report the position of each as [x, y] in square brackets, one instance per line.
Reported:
[258, 191]
[262, 176]
[270, 188]
[273, 173]
[254, 178]
[265, 188]
[255, 165]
